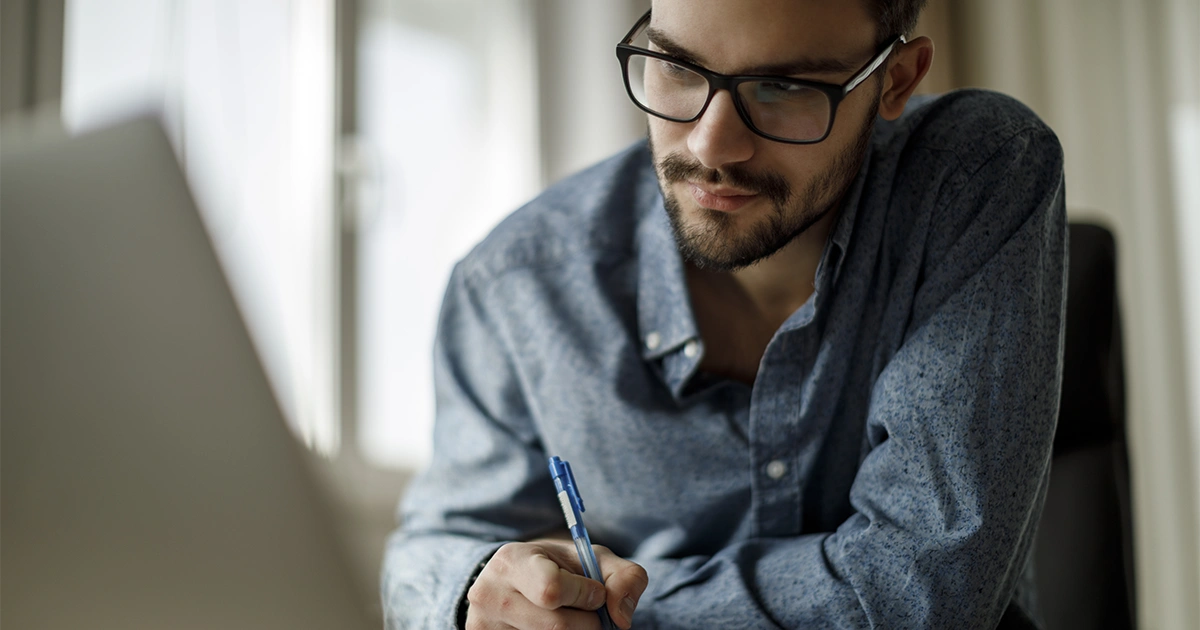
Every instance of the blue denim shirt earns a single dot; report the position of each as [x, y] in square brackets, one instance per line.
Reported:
[888, 466]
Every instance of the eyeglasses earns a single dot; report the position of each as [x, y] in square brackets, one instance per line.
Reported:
[783, 109]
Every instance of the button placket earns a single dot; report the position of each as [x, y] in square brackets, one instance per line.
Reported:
[775, 433]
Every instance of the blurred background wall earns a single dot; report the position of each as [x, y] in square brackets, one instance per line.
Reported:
[347, 153]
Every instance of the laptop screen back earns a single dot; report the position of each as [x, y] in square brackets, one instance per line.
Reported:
[148, 477]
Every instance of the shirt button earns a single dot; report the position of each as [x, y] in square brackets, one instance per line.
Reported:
[653, 340]
[776, 469]
[691, 349]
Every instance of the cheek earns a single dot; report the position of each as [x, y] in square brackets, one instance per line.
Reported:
[855, 115]
[668, 137]
[798, 164]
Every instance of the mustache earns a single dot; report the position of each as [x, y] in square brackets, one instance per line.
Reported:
[676, 168]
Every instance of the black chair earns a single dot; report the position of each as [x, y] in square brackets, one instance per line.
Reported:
[1084, 547]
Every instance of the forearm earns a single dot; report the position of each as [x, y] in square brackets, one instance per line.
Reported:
[762, 583]
[821, 581]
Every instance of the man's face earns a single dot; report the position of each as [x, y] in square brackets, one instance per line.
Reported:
[734, 197]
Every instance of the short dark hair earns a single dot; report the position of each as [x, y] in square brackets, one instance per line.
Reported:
[894, 17]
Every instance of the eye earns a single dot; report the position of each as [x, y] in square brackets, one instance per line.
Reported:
[780, 92]
[771, 91]
[672, 70]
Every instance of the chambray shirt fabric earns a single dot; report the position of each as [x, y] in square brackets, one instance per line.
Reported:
[888, 466]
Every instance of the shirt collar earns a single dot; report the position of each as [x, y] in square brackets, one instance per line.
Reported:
[664, 310]
[665, 320]
[839, 239]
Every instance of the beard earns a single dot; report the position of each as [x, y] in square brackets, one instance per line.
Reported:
[713, 242]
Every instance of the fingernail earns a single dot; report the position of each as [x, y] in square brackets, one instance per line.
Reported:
[627, 606]
[596, 598]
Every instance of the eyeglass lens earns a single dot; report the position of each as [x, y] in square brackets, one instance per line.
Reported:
[784, 110]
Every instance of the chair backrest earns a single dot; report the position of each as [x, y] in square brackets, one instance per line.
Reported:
[1084, 549]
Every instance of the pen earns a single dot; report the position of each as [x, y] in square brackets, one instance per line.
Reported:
[572, 505]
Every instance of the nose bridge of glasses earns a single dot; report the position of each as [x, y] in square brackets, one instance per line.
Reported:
[730, 86]
[720, 136]
[723, 117]
[717, 84]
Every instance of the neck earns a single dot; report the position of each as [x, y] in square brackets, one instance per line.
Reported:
[784, 281]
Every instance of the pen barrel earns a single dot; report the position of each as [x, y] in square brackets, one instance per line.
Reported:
[587, 558]
[572, 506]
[606, 622]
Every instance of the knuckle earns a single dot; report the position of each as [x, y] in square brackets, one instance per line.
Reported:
[477, 595]
[487, 595]
[505, 554]
[550, 594]
[640, 578]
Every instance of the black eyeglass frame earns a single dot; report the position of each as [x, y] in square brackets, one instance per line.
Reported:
[730, 83]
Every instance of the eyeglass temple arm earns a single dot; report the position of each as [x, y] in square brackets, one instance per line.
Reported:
[629, 36]
[873, 66]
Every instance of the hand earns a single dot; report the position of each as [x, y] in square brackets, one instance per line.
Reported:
[539, 584]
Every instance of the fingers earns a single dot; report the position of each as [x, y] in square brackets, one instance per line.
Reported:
[547, 585]
[524, 586]
[515, 611]
[519, 613]
[625, 582]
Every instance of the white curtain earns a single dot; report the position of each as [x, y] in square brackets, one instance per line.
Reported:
[1119, 81]
[246, 91]
[465, 111]
[447, 130]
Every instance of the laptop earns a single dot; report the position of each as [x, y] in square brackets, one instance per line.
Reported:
[147, 476]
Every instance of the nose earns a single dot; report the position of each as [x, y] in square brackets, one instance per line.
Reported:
[720, 137]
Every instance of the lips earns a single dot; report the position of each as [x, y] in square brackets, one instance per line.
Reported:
[720, 197]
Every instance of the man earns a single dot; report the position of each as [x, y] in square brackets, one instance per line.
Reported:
[803, 350]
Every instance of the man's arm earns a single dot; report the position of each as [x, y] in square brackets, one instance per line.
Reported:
[488, 486]
[961, 422]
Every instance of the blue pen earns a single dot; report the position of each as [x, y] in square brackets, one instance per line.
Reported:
[572, 505]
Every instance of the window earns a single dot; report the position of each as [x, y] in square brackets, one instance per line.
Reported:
[466, 109]
[461, 111]
[246, 91]
[447, 117]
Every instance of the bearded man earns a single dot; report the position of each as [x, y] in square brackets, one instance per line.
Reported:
[802, 349]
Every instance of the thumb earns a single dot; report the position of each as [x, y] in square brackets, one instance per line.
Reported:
[625, 582]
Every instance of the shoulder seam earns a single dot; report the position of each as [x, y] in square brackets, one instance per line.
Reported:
[479, 277]
[1036, 129]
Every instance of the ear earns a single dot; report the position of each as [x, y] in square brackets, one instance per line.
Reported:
[907, 67]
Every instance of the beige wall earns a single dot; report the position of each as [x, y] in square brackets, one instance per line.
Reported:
[935, 24]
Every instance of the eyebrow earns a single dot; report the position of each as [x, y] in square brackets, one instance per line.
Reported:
[798, 67]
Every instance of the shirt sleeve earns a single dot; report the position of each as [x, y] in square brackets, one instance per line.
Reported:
[961, 426]
[486, 484]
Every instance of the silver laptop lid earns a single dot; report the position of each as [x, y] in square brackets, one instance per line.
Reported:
[148, 478]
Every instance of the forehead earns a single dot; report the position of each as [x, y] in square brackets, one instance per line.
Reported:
[731, 35]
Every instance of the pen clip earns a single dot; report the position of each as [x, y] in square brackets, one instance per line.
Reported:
[560, 470]
[572, 489]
